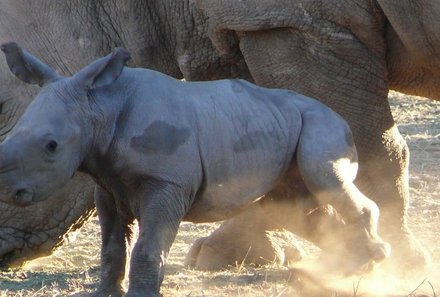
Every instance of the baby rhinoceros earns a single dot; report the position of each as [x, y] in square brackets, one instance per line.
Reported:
[163, 150]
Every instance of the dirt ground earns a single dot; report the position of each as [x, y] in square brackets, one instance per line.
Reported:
[73, 270]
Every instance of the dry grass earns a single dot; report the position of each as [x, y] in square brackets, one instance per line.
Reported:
[73, 270]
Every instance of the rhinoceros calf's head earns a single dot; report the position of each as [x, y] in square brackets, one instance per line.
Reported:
[46, 146]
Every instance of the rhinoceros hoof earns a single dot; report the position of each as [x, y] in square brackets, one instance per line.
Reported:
[380, 251]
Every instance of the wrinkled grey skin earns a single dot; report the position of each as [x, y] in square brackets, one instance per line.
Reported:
[170, 38]
[37, 230]
[162, 150]
[88, 29]
[346, 53]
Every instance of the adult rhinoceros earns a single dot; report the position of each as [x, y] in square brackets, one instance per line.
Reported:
[345, 53]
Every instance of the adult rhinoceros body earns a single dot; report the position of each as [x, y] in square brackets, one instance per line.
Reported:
[163, 150]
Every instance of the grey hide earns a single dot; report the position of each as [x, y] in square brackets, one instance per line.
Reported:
[162, 151]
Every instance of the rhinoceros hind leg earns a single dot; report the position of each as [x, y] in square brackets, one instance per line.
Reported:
[327, 160]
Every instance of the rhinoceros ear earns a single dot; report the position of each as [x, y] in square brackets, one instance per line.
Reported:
[27, 67]
[103, 71]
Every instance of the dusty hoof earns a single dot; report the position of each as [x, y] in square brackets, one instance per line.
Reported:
[380, 251]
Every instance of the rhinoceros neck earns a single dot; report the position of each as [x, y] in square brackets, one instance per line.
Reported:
[107, 107]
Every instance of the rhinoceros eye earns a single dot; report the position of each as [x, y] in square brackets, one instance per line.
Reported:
[51, 146]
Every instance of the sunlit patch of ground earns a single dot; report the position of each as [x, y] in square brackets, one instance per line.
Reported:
[73, 270]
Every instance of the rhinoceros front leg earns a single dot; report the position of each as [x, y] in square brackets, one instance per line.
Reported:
[160, 209]
[113, 247]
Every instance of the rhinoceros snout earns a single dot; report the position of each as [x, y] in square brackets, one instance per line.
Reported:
[23, 197]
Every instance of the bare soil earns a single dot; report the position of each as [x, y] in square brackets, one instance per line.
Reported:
[73, 270]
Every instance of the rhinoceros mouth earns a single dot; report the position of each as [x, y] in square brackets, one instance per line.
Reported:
[23, 197]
